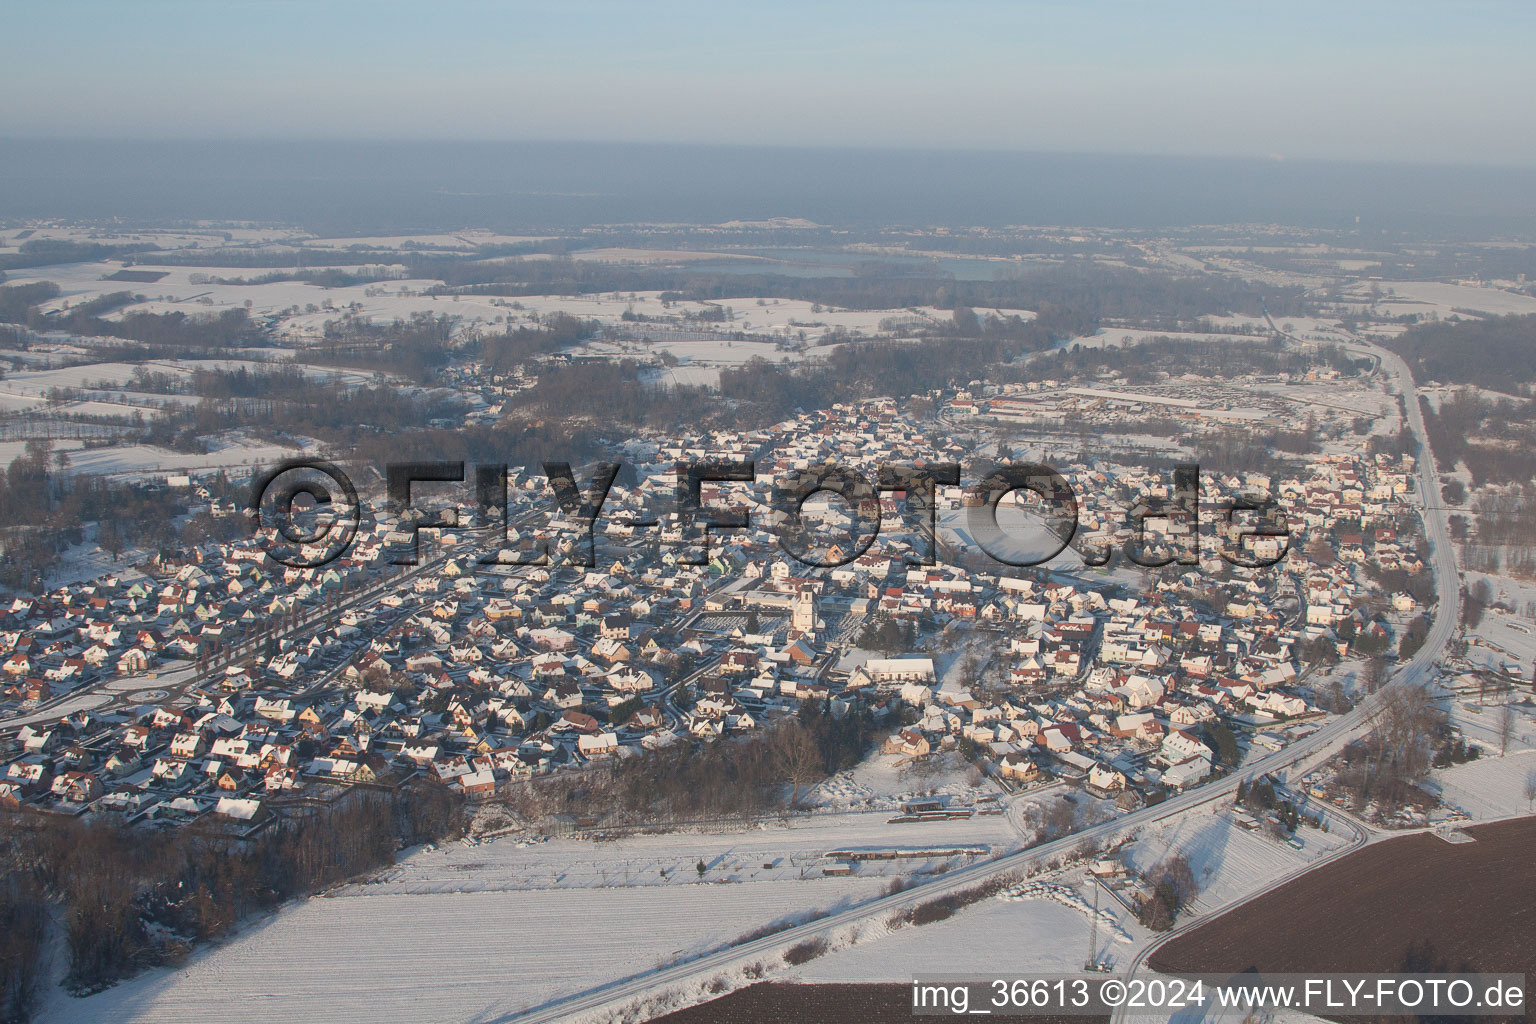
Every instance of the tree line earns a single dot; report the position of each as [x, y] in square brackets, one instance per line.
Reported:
[1497, 353]
[1093, 289]
[741, 776]
[130, 898]
[44, 252]
[43, 509]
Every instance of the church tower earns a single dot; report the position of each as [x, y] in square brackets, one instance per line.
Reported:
[802, 619]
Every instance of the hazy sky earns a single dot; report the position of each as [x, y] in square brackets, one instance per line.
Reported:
[1437, 82]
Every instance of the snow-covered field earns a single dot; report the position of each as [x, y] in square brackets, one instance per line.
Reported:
[449, 958]
[773, 852]
[1505, 639]
[692, 376]
[114, 375]
[1227, 861]
[1491, 786]
[1037, 927]
[1116, 337]
[1424, 297]
[391, 299]
[694, 354]
[105, 389]
[1342, 396]
[481, 930]
[169, 238]
[233, 451]
[89, 560]
[456, 240]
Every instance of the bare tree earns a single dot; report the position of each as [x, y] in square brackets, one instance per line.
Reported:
[1400, 744]
[1374, 674]
[1060, 818]
[111, 539]
[1177, 872]
[1506, 728]
[796, 756]
[970, 669]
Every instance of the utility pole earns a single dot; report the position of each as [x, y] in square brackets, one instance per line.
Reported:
[1093, 926]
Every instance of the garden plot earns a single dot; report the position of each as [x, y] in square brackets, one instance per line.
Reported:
[1492, 786]
[883, 781]
[88, 560]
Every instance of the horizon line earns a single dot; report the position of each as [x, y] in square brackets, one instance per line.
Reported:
[872, 148]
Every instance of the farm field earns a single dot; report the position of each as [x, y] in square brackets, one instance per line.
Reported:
[480, 930]
[235, 452]
[775, 1003]
[1445, 299]
[447, 957]
[1473, 901]
[399, 298]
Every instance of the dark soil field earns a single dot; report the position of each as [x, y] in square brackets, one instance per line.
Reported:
[1474, 902]
[777, 1003]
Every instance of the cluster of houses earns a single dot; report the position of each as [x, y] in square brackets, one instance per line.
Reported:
[277, 684]
[1116, 694]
